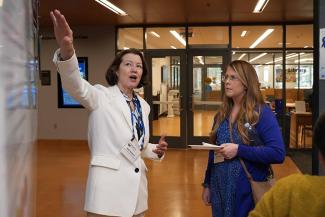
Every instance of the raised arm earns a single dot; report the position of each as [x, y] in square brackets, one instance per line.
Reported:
[67, 64]
[63, 34]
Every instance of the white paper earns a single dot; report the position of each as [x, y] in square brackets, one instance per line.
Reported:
[206, 146]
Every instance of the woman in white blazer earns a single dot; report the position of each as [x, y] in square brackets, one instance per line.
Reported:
[118, 129]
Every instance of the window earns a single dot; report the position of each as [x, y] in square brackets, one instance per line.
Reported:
[166, 38]
[299, 36]
[256, 37]
[130, 38]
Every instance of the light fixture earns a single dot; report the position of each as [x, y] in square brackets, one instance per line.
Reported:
[257, 57]
[178, 37]
[125, 48]
[201, 60]
[243, 33]
[241, 56]
[112, 7]
[260, 5]
[262, 37]
[304, 60]
[155, 34]
[289, 56]
[173, 47]
[306, 47]
[1, 2]
[233, 53]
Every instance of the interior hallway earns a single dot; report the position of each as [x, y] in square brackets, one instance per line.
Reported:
[174, 184]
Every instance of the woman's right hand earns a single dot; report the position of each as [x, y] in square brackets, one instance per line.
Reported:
[206, 196]
[63, 34]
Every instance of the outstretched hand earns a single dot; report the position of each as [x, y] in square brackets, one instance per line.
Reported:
[161, 148]
[63, 34]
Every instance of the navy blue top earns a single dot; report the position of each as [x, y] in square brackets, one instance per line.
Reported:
[256, 158]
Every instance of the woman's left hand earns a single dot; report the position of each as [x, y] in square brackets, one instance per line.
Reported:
[229, 150]
[161, 148]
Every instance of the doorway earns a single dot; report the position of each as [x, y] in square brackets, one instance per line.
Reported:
[205, 69]
[184, 94]
[165, 94]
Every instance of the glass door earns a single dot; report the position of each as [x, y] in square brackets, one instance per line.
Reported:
[165, 94]
[205, 91]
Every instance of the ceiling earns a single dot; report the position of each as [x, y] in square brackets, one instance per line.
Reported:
[89, 12]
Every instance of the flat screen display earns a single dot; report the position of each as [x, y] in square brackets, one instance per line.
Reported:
[65, 100]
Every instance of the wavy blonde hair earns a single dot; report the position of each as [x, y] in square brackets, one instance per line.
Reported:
[250, 106]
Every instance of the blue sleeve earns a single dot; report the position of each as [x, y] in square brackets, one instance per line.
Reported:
[273, 150]
[206, 181]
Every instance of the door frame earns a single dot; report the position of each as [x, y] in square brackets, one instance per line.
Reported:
[173, 141]
[197, 140]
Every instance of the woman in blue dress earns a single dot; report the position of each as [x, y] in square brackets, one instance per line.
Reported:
[226, 187]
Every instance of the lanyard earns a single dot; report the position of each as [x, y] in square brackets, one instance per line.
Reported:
[136, 119]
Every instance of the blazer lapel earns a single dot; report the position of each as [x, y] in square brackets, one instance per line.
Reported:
[123, 105]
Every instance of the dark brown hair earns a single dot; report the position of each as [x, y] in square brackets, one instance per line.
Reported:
[251, 101]
[111, 76]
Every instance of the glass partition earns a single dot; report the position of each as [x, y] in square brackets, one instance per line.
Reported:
[299, 36]
[207, 71]
[256, 37]
[165, 38]
[130, 38]
[211, 36]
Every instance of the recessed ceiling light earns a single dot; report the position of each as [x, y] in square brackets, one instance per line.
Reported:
[111, 7]
[262, 37]
[260, 5]
[241, 56]
[257, 57]
[243, 33]
[155, 34]
[178, 37]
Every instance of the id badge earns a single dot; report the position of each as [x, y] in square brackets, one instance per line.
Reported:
[218, 158]
[131, 151]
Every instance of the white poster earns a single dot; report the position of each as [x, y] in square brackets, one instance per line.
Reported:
[322, 54]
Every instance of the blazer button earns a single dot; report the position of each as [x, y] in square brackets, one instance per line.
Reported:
[136, 170]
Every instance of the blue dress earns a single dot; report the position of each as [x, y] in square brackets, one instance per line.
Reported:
[224, 176]
[230, 190]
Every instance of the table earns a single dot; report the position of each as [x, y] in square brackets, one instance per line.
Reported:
[298, 121]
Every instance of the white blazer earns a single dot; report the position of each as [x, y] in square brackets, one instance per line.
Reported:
[113, 186]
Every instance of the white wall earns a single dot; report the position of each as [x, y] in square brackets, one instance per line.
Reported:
[71, 123]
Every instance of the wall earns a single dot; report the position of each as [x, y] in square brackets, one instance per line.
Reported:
[96, 43]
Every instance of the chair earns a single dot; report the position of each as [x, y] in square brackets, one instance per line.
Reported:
[300, 106]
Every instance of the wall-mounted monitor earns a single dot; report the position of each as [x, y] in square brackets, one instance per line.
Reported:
[65, 100]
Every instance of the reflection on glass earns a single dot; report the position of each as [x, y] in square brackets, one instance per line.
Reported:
[207, 71]
[219, 36]
[165, 38]
[165, 93]
[299, 36]
[130, 38]
[254, 36]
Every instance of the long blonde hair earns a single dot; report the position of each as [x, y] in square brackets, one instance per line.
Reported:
[250, 106]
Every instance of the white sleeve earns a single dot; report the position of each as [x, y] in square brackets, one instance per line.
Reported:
[74, 84]
[148, 152]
